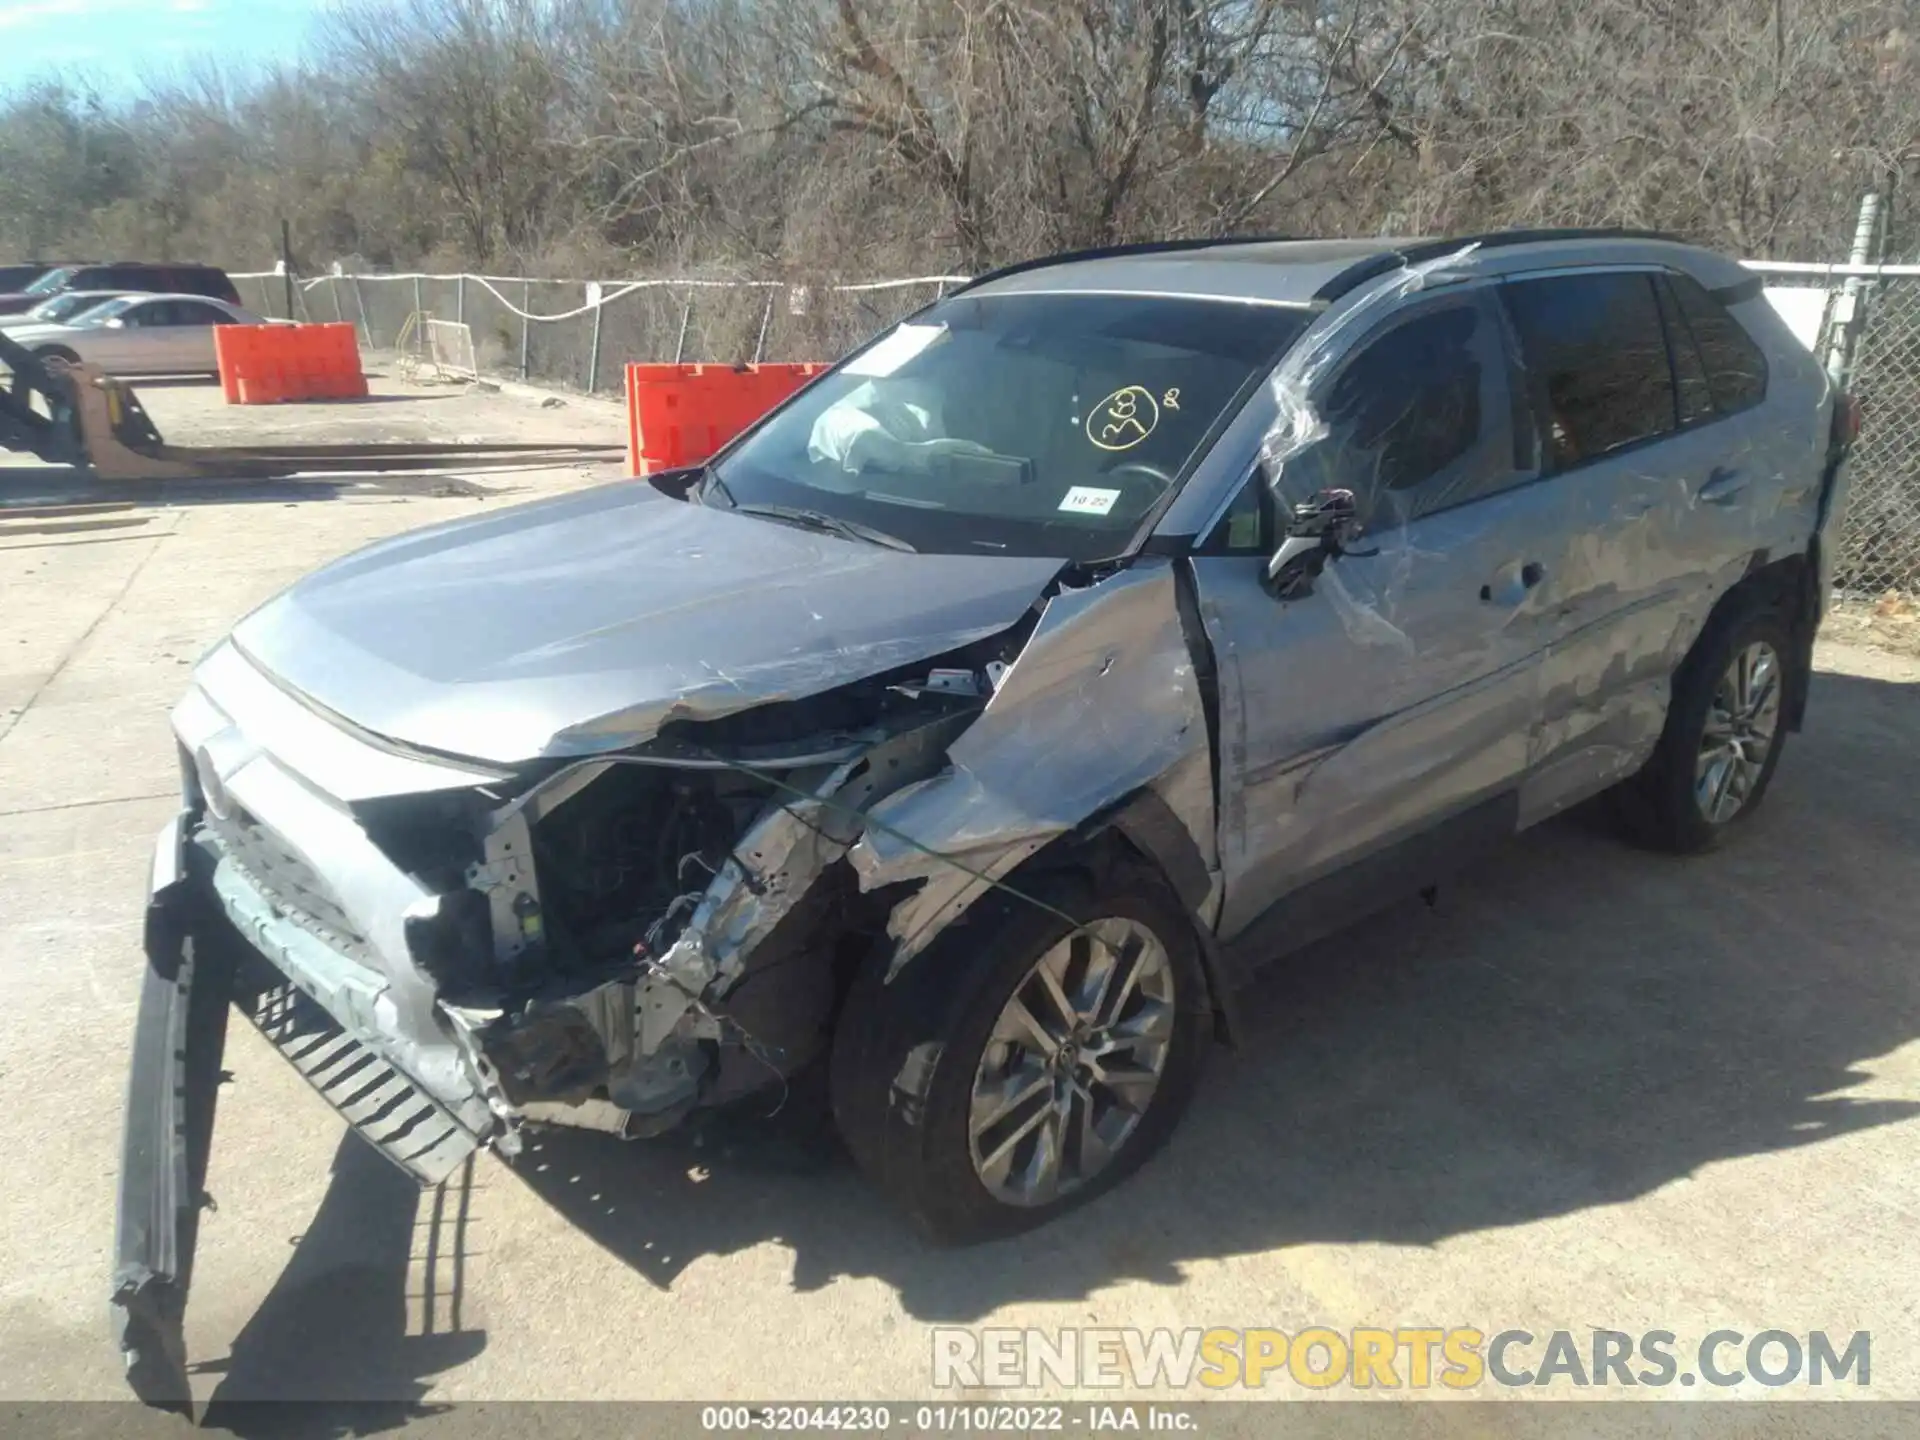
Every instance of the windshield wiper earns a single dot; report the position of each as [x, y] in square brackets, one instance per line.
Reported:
[831, 524]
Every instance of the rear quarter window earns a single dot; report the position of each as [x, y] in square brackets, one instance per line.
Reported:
[1736, 366]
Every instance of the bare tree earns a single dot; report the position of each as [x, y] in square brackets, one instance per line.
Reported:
[835, 137]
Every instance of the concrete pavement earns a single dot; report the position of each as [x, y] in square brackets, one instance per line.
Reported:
[1592, 1088]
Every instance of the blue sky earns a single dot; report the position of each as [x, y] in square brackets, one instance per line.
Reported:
[115, 42]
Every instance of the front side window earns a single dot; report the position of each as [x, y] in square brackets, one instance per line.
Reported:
[149, 315]
[108, 310]
[1409, 405]
[1596, 359]
[1023, 424]
[1405, 419]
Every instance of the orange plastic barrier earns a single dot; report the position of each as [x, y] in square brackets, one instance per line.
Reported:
[680, 414]
[268, 364]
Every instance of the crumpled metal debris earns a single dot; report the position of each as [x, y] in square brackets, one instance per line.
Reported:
[1102, 702]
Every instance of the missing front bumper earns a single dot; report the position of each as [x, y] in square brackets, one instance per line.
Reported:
[179, 1038]
[205, 949]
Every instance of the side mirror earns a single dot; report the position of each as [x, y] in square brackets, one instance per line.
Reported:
[1321, 529]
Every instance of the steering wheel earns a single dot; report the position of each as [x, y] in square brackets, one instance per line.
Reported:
[1144, 469]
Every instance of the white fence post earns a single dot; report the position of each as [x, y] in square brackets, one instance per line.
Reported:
[1846, 314]
[526, 322]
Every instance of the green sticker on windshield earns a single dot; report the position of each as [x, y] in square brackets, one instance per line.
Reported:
[1125, 418]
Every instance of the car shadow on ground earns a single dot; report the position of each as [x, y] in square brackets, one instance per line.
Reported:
[370, 1307]
[1573, 1025]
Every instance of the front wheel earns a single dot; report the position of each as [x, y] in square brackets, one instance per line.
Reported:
[58, 352]
[1723, 736]
[1030, 1059]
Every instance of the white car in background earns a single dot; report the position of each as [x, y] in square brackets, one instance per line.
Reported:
[66, 308]
[140, 335]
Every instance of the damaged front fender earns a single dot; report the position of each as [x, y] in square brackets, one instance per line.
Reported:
[645, 1039]
[1103, 702]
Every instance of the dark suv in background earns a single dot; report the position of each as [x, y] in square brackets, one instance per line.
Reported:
[208, 280]
[17, 277]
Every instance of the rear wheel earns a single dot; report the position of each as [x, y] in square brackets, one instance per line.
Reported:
[1024, 1063]
[1723, 736]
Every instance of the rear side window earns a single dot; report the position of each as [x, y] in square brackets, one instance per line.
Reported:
[204, 280]
[1596, 358]
[119, 277]
[1736, 367]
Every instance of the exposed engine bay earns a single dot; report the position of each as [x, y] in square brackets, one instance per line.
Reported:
[662, 907]
[688, 921]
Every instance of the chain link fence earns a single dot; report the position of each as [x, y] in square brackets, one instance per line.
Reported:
[1880, 545]
[581, 334]
[1863, 321]
[1868, 335]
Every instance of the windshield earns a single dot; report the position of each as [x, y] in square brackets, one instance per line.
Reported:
[107, 309]
[64, 309]
[1019, 424]
[48, 283]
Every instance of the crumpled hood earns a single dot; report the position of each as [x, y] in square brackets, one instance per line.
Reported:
[583, 623]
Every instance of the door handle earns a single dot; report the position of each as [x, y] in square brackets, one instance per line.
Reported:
[1512, 586]
[1723, 487]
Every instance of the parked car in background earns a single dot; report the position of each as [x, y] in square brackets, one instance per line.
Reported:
[65, 308]
[139, 335]
[205, 280]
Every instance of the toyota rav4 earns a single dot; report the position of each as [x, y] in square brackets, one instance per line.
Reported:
[968, 730]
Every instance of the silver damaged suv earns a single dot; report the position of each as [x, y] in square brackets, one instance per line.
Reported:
[970, 729]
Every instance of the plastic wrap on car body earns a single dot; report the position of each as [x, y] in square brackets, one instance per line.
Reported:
[1367, 612]
[1102, 702]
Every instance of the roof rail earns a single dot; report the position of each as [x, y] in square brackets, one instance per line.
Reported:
[1373, 266]
[1105, 252]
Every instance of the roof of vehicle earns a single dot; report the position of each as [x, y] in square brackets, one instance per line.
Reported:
[90, 294]
[1316, 272]
[139, 264]
[143, 296]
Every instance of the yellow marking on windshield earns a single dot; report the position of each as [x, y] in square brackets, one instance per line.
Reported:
[1125, 418]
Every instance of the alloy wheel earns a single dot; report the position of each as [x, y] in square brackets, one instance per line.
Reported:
[1072, 1063]
[1741, 720]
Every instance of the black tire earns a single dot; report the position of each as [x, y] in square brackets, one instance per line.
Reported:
[1658, 807]
[905, 1054]
[57, 352]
